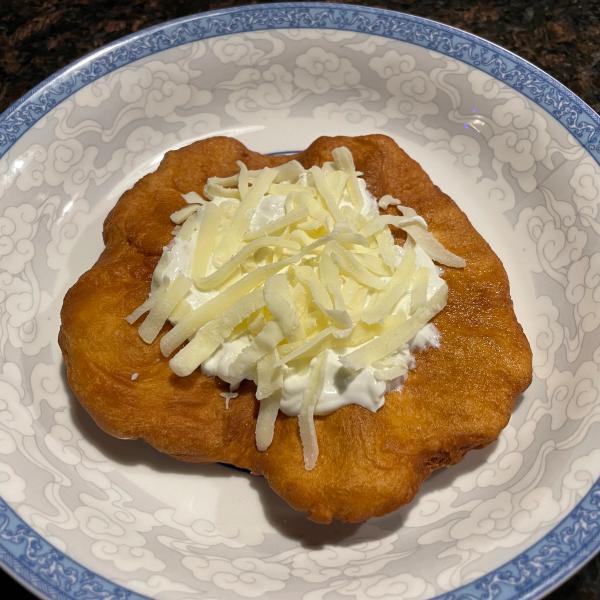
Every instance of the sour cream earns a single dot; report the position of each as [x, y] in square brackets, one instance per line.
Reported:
[341, 387]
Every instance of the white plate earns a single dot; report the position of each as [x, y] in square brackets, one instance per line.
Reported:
[83, 515]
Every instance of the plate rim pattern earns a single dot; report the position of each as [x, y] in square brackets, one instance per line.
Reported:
[530, 574]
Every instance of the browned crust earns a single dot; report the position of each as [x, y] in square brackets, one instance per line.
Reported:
[459, 397]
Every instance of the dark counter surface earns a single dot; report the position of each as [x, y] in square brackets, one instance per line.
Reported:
[38, 37]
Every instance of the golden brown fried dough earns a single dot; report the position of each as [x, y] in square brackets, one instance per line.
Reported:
[459, 396]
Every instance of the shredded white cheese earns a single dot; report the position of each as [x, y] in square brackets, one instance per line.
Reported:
[291, 278]
[228, 396]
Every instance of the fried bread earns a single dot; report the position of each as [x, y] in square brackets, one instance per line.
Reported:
[458, 397]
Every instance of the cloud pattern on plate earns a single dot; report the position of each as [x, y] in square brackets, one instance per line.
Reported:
[58, 182]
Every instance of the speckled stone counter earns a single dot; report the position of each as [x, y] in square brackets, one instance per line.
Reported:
[38, 37]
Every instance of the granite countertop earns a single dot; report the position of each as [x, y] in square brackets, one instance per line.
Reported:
[38, 37]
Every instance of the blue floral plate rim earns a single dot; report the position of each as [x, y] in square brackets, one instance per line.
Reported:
[532, 574]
